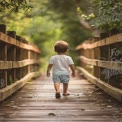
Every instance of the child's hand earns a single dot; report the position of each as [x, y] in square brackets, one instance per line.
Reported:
[48, 74]
[73, 75]
[48, 70]
[73, 70]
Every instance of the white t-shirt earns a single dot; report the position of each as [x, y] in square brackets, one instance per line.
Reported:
[61, 64]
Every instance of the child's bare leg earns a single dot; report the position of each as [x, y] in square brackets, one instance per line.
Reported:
[57, 87]
[65, 88]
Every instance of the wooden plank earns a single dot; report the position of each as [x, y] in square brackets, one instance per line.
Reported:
[36, 102]
[7, 39]
[60, 119]
[96, 71]
[29, 67]
[17, 64]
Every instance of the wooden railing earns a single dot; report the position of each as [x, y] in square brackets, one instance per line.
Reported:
[101, 63]
[19, 62]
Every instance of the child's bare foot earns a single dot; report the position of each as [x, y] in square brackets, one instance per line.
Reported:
[57, 95]
[66, 94]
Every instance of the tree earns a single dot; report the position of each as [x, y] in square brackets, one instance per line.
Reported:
[14, 5]
[108, 14]
[72, 30]
[14, 13]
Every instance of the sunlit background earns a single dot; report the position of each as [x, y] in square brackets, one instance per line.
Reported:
[43, 22]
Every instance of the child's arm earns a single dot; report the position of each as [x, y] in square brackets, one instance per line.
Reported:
[48, 70]
[72, 69]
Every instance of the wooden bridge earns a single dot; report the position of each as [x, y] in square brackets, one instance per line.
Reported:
[24, 99]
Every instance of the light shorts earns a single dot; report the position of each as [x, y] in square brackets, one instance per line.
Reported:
[61, 78]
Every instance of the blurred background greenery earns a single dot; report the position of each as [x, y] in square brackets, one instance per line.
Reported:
[43, 22]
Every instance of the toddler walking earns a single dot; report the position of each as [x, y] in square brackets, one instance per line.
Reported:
[61, 65]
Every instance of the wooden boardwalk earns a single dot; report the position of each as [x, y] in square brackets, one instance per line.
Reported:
[36, 102]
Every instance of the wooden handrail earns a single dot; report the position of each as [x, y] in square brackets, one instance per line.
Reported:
[107, 41]
[102, 63]
[7, 39]
[17, 64]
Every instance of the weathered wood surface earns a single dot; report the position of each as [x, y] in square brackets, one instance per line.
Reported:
[36, 102]
[9, 40]
[107, 41]
[17, 64]
[117, 65]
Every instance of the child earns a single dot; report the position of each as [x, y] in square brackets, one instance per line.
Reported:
[61, 64]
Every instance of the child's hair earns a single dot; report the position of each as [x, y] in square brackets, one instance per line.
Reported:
[61, 46]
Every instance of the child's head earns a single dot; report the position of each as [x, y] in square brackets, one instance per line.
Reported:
[61, 46]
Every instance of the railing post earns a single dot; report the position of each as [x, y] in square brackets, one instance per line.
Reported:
[3, 57]
[104, 55]
[96, 56]
[11, 57]
[3, 28]
[24, 55]
[3, 73]
[29, 57]
[82, 53]
[6, 60]
[18, 58]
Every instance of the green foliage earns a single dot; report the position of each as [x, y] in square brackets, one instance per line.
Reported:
[72, 30]
[49, 21]
[57, 20]
[14, 14]
[109, 14]
[52, 20]
[14, 5]
[68, 7]
[16, 22]
[44, 33]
